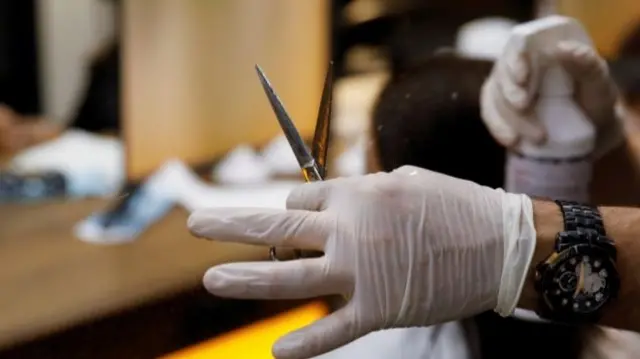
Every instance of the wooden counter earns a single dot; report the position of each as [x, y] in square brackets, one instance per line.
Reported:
[50, 281]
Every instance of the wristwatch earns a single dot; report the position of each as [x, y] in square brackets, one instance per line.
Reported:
[579, 278]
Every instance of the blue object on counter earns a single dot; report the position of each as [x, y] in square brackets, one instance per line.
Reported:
[31, 187]
[133, 213]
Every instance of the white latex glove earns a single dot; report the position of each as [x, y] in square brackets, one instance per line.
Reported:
[508, 95]
[408, 248]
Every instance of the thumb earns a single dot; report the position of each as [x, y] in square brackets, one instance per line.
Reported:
[596, 92]
[581, 61]
[587, 68]
[326, 334]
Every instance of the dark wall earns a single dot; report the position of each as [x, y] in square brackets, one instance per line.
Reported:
[18, 56]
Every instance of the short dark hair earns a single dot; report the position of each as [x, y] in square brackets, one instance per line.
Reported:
[429, 116]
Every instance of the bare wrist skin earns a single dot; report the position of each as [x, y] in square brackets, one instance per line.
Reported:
[548, 221]
[622, 225]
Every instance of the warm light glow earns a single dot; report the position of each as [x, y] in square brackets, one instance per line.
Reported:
[608, 22]
[255, 340]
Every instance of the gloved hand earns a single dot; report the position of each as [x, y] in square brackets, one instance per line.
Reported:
[508, 95]
[408, 248]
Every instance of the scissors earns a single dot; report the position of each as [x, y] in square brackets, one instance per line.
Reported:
[312, 163]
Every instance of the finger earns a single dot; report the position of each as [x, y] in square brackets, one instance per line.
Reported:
[588, 69]
[264, 226]
[324, 335]
[517, 66]
[584, 64]
[496, 123]
[581, 61]
[512, 75]
[310, 196]
[595, 91]
[297, 279]
[506, 124]
[524, 122]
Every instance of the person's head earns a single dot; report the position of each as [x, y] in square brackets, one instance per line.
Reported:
[429, 116]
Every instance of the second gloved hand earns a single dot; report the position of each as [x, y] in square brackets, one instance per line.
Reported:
[508, 95]
[408, 248]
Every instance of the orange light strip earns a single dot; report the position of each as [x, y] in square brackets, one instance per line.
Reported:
[254, 341]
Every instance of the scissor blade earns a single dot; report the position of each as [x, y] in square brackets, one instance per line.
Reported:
[322, 135]
[291, 133]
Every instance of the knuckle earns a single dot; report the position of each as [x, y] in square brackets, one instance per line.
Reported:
[388, 185]
[304, 223]
[294, 197]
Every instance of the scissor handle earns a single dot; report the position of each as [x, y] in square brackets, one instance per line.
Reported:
[311, 173]
[297, 254]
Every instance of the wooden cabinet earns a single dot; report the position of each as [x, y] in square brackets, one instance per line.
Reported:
[190, 88]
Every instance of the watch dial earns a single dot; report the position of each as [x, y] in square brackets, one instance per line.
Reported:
[580, 283]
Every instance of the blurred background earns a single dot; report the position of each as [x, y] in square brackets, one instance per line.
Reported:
[118, 118]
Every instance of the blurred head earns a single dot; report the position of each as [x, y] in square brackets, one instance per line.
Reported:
[429, 116]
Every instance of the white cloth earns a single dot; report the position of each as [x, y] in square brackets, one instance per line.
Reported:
[242, 166]
[408, 248]
[279, 157]
[93, 165]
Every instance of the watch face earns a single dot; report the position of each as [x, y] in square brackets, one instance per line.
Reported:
[579, 280]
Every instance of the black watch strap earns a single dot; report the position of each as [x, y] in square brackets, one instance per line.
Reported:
[581, 223]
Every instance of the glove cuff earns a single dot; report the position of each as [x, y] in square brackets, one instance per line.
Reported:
[519, 245]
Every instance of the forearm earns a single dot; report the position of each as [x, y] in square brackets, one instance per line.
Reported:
[623, 165]
[623, 226]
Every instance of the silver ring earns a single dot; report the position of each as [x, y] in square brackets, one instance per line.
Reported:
[274, 257]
